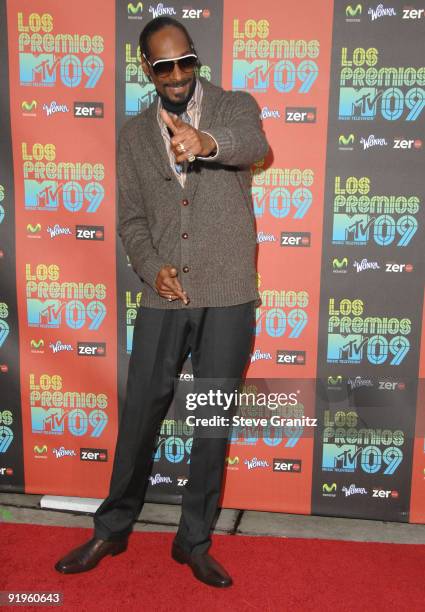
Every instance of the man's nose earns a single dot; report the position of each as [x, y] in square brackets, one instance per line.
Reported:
[177, 74]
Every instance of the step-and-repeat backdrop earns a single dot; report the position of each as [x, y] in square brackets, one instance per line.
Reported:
[339, 209]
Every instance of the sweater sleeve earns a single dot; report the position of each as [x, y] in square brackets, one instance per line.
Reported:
[133, 226]
[241, 140]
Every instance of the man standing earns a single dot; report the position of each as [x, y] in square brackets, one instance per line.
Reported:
[187, 225]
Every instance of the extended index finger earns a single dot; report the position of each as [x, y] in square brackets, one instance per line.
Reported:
[168, 121]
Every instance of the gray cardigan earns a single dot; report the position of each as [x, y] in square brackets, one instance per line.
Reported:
[206, 229]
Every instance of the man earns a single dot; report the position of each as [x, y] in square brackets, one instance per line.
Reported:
[187, 224]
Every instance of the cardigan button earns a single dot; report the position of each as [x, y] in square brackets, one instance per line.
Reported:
[185, 202]
[186, 269]
[185, 235]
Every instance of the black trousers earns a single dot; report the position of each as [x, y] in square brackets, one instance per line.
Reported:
[220, 340]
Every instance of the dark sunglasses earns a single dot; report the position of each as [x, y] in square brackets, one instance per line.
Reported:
[164, 67]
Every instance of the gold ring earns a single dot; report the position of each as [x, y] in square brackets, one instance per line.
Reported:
[180, 147]
[191, 157]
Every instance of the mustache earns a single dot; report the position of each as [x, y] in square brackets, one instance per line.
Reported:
[178, 83]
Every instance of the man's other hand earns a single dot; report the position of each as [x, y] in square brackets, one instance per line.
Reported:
[168, 285]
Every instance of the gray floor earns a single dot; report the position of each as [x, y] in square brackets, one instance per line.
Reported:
[20, 508]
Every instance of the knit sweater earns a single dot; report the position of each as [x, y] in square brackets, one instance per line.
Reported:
[205, 229]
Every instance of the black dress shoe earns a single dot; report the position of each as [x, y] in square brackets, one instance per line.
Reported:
[87, 556]
[204, 567]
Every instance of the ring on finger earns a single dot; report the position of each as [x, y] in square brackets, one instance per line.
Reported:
[191, 157]
[180, 147]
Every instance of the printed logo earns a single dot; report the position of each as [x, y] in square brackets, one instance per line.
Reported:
[346, 143]
[353, 12]
[54, 107]
[161, 10]
[34, 230]
[391, 385]
[191, 13]
[339, 266]
[93, 454]
[284, 357]
[404, 143]
[64, 452]
[91, 349]
[299, 114]
[412, 13]
[353, 490]
[329, 490]
[89, 232]
[364, 264]
[287, 465]
[29, 108]
[158, 479]
[372, 141]
[258, 355]
[392, 266]
[58, 230]
[88, 110]
[381, 11]
[40, 452]
[358, 381]
[385, 493]
[255, 463]
[295, 239]
[134, 10]
[6, 471]
[267, 113]
[232, 461]
[263, 237]
[58, 347]
[37, 346]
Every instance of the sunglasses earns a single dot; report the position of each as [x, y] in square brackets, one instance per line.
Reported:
[164, 67]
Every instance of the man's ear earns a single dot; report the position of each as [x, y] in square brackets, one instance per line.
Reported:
[145, 68]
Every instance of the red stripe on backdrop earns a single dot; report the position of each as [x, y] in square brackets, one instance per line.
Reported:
[62, 88]
[417, 495]
[283, 59]
[293, 55]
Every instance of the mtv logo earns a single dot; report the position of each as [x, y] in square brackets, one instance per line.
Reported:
[251, 76]
[358, 103]
[138, 96]
[41, 195]
[38, 68]
[44, 313]
[342, 458]
[352, 228]
[48, 420]
[345, 349]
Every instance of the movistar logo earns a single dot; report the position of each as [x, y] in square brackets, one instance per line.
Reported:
[352, 12]
[232, 460]
[37, 343]
[29, 106]
[134, 9]
[33, 228]
[329, 488]
[339, 264]
[346, 140]
[334, 380]
[40, 449]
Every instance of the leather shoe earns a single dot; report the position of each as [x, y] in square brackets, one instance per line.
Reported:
[204, 567]
[87, 556]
